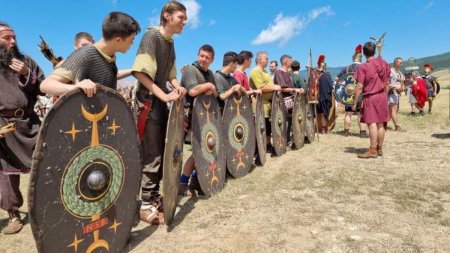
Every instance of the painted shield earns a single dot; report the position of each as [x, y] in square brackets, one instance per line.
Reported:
[313, 84]
[173, 159]
[278, 124]
[299, 120]
[85, 174]
[260, 130]
[208, 144]
[344, 89]
[309, 124]
[239, 129]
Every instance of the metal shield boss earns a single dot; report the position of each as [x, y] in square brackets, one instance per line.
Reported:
[239, 129]
[173, 159]
[85, 174]
[208, 144]
[299, 120]
[278, 124]
[260, 130]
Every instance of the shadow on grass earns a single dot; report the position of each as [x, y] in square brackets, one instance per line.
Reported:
[441, 136]
[185, 209]
[353, 150]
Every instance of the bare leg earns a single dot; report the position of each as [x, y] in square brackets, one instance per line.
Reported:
[430, 105]
[347, 120]
[189, 166]
[394, 116]
[360, 124]
[373, 134]
[380, 134]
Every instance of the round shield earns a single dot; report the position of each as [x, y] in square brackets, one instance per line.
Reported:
[278, 125]
[260, 130]
[239, 131]
[309, 123]
[208, 144]
[173, 159]
[344, 89]
[299, 121]
[85, 174]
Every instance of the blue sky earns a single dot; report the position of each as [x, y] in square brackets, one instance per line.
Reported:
[333, 28]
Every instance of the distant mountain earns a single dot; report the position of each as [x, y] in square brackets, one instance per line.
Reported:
[440, 61]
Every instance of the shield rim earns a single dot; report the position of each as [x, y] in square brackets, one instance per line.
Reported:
[250, 138]
[170, 190]
[260, 135]
[277, 106]
[197, 154]
[37, 159]
[299, 141]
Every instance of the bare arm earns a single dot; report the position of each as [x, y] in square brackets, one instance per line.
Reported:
[123, 73]
[56, 85]
[145, 80]
[207, 88]
[356, 96]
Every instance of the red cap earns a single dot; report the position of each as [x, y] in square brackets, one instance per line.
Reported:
[428, 66]
[358, 49]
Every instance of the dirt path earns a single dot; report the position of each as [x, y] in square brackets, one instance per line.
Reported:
[319, 199]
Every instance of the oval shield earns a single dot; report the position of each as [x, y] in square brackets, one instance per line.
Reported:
[260, 130]
[309, 124]
[85, 174]
[299, 121]
[239, 131]
[208, 144]
[173, 159]
[344, 89]
[278, 124]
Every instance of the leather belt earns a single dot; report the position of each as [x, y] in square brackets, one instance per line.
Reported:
[17, 113]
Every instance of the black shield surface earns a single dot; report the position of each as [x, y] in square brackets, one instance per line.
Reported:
[239, 129]
[85, 174]
[173, 159]
[299, 121]
[260, 130]
[208, 144]
[278, 124]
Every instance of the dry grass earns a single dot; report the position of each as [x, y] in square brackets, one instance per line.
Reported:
[321, 199]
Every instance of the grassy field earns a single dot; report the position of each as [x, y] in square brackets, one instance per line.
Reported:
[321, 198]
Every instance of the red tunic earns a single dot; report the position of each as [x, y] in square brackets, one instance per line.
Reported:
[242, 79]
[419, 90]
[374, 75]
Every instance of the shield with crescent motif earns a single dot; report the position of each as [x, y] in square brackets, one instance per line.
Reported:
[85, 174]
[278, 124]
[239, 129]
[344, 89]
[299, 120]
[260, 130]
[173, 159]
[208, 144]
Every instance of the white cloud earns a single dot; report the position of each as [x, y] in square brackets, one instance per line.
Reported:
[154, 19]
[284, 28]
[193, 11]
[430, 3]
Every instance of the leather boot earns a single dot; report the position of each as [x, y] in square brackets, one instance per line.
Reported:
[15, 223]
[380, 150]
[371, 153]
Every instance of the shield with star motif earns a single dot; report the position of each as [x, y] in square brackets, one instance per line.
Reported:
[85, 174]
[278, 124]
[299, 120]
[260, 130]
[208, 144]
[239, 129]
[173, 159]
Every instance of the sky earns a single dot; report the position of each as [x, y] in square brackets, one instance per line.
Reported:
[414, 28]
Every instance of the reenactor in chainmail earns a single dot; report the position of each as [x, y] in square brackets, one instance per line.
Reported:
[198, 79]
[154, 67]
[94, 63]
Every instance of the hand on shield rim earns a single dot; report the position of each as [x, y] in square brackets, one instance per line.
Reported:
[181, 91]
[276, 87]
[88, 87]
[172, 96]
